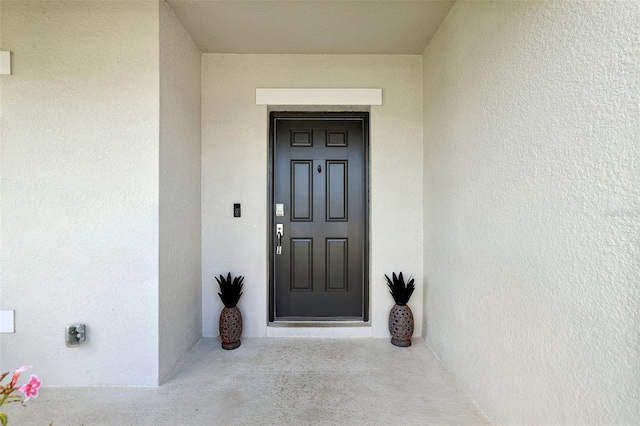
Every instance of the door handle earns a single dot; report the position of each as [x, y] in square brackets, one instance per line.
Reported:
[279, 233]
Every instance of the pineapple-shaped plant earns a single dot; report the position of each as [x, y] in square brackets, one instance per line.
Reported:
[400, 317]
[230, 317]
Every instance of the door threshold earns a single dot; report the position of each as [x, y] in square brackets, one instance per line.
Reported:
[318, 323]
[320, 329]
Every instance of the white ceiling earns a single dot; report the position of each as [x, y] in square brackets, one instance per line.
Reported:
[311, 26]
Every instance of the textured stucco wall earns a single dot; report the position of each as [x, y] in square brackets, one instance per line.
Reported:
[532, 208]
[79, 214]
[235, 145]
[180, 294]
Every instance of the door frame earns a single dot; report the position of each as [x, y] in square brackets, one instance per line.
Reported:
[313, 115]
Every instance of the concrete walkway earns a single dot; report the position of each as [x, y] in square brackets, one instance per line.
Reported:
[274, 381]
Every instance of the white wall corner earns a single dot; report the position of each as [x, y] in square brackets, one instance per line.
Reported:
[5, 62]
[318, 96]
[7, 322]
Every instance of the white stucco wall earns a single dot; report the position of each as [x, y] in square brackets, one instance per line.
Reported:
[79, 213]
[532, 208]
[180, 295]
[235, 148]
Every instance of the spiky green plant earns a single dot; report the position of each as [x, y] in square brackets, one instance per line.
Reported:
[230, 290]
[400, 291]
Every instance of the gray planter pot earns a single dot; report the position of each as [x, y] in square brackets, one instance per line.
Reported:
[401, 325]
[230, 327]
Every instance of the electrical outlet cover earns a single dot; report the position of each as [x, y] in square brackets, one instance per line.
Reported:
[5, 62]
[7, 322]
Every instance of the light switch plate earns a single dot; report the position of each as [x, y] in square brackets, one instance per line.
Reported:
[6, 322]
[5, 62]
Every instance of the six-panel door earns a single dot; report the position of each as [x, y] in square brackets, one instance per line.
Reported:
[319, 174]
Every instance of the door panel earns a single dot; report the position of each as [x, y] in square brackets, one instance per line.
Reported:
[301, 264]
[319, 173]
[337, 191]
[301, 190]
[337, 271]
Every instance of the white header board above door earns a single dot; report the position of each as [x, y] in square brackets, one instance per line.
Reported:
[318, 96]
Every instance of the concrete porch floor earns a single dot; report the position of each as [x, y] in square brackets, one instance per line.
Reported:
[274, 381]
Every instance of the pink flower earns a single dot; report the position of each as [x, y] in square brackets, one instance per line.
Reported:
[16, 374]
[31, 388]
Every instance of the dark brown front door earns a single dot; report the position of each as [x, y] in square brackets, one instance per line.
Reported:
[319, 216]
